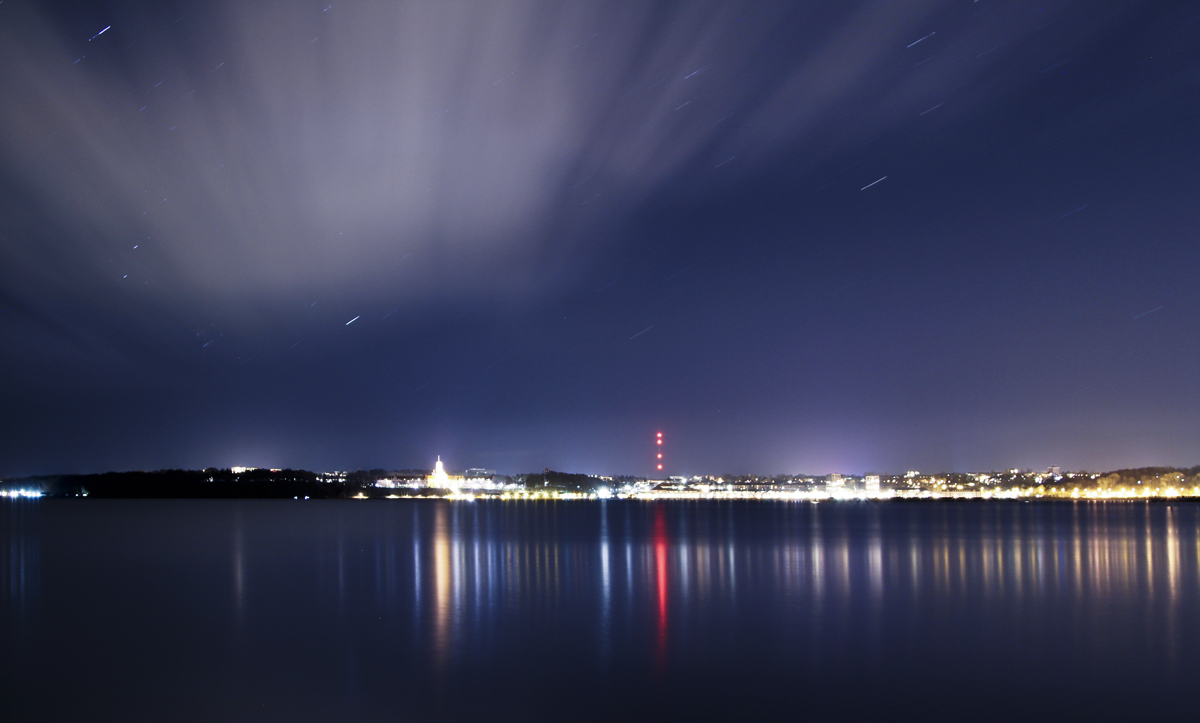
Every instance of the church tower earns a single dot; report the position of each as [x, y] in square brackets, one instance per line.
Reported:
[440, 479]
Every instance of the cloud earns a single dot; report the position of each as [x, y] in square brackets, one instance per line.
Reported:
[257, 153]
[261, 148]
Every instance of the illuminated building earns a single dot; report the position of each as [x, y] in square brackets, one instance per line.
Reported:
[440, 480]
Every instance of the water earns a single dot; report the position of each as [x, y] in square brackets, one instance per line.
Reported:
[523, 611]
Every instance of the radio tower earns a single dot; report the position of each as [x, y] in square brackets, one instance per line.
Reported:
[658, 449]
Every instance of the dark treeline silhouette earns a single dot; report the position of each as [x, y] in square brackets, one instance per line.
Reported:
[562, 481]
[287, 483]
[180, 483]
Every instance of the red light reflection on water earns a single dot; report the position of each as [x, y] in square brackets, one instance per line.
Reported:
[660, 561]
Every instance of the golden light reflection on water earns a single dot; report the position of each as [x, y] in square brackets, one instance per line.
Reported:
[443, 572]
[674, 562]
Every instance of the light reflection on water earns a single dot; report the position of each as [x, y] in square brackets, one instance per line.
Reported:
[615, 593]
[484, 559]
[20, 571]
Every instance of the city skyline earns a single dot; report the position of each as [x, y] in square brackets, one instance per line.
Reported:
[440, 483]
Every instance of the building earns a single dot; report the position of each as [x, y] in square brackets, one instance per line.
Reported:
[440, 480]
[871, 483]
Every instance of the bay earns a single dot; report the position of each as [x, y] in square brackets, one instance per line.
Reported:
[385, 610]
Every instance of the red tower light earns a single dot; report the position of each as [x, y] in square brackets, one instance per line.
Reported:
[658, 439]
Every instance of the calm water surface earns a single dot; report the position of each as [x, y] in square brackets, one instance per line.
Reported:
[424, 610]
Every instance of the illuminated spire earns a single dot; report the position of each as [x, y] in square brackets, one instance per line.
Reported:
[439, 478]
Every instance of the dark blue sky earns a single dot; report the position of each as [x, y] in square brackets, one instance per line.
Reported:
[555, 229]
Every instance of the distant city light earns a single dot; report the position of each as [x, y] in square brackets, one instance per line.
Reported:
[485, 484]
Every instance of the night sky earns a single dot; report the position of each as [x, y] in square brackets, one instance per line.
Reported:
[794, 237]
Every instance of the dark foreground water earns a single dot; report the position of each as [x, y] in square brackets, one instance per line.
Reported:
[422, 610]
